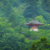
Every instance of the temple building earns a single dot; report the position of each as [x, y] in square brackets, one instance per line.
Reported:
[34, 24]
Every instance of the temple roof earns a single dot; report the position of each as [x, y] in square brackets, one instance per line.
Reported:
[34, 22]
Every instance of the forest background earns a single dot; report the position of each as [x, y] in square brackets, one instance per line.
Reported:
[14, 35]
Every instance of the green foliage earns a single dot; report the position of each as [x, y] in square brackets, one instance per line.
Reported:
[33, 47]
[12, 19]
[46, 5]
[40, 45]
[7, 48]
[34, 8]
[41, 19]
[14, 34]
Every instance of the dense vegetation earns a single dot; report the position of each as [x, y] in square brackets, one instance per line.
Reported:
[42, 44]
[14, 35]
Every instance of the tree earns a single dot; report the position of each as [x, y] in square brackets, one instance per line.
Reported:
[33, 47]
[13, 19]
[31, 8]
[46, 5]
[41, 45]
[7, 48]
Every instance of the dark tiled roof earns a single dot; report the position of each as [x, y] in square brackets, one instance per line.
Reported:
[34, 22]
